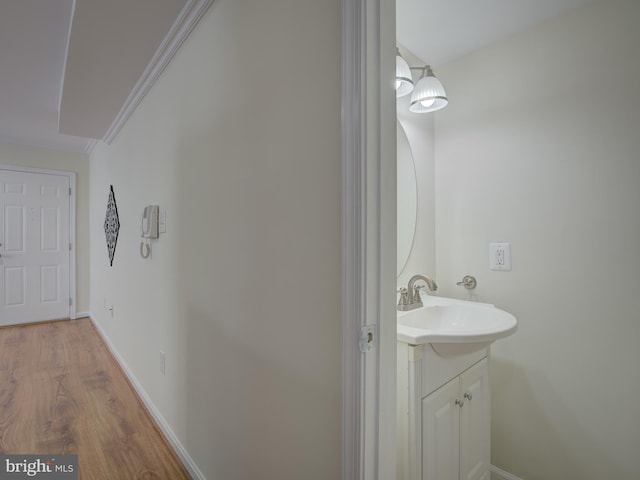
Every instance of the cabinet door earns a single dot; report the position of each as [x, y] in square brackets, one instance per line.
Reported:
[475, 434]
[441, 433]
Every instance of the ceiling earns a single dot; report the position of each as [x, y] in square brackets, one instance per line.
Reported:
[110, 45]
[438, 31]
[33, 42]
[69, 67]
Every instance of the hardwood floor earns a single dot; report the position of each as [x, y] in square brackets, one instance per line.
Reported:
[61, 392]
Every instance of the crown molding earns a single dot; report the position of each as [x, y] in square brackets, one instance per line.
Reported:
[179, 31]
[90, 144]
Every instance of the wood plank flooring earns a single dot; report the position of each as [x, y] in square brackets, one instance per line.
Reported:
[61, 392]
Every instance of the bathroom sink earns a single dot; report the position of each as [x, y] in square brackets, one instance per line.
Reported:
[454, 327]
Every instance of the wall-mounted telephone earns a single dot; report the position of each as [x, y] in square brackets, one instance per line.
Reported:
[148, 228]
[149, 223]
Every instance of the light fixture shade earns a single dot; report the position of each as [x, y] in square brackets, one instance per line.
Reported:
[404, 81]
[429, 94]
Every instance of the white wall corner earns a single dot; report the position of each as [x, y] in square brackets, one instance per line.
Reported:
[499, 474]
[171, 438]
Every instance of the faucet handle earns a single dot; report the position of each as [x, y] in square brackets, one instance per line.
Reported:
[416, 292]
[404, 296]
[468, 282]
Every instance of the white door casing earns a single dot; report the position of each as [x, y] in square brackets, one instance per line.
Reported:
[36, 227]
[369, 238]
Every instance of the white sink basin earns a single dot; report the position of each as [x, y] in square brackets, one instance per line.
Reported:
[454, 327]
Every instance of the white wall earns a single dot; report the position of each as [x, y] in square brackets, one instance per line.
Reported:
[240, 142]
[420, 133]
[540, 147]
[71, 162]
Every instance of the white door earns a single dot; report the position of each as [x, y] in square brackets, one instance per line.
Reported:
[34, 238]
[441, 433]
[475, 430]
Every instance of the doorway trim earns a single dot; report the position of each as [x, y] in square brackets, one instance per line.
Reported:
[368, 239]
[72, 224]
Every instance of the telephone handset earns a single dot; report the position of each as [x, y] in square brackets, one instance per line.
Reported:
[149, 223]
[148, 228]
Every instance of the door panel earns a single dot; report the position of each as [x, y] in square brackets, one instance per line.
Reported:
[14, 229]
[15, 286]
[50, 229]
[49, 281]
[34, 247]
[17, 188]
[440, 433]
[49, 191]
[475, 436]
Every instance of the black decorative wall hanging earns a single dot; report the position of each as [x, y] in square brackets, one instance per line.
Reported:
[111, 225]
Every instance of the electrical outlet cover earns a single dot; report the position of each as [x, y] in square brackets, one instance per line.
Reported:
[500, 256]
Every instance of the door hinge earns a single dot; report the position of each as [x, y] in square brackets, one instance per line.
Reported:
[70, 248]
[70, 302]
[69, 191]
[367, 338]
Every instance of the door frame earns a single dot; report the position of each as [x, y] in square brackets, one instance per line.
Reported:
[368, 239]
[72, 224]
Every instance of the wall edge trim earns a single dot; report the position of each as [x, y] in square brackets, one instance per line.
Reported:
[499, 474]
[162, 424]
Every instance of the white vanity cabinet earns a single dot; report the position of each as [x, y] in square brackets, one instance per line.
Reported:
[455, 428]
[444, 415]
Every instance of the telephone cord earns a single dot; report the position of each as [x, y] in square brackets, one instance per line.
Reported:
[145, 248]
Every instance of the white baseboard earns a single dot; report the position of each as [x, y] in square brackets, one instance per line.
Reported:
[499, 474]
[82, 315]
[188, 463]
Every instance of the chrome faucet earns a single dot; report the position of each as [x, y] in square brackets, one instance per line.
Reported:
[410, 296]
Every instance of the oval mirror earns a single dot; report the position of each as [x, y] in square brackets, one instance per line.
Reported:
[407, 198]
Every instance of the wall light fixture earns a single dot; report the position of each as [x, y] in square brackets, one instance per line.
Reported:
[404, 79]
[428, 95]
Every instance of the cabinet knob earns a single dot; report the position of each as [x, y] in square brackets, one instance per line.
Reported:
[460, 403]
[468, 396]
